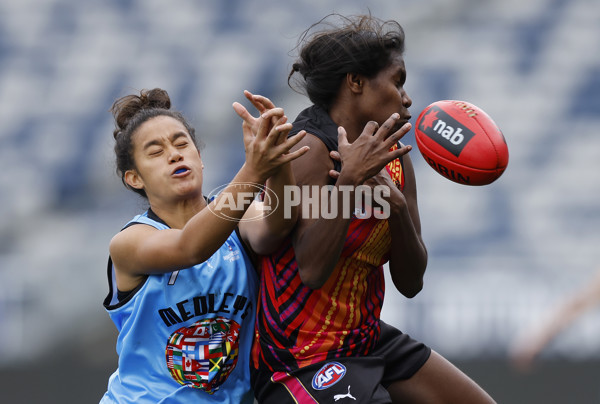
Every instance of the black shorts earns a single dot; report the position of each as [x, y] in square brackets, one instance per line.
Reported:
[360, 379]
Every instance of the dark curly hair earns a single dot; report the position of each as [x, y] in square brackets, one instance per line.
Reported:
[360, 44]
[129, 113]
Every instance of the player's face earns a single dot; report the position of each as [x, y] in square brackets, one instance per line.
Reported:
[385, 94]
[168, 164]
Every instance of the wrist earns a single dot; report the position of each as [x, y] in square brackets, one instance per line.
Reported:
[348, 178]
[282, 175]
[247, 174]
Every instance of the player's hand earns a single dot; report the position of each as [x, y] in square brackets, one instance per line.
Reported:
[265, 137]
[269, 149]
[370, 152]
[262, 105]
[335, 156]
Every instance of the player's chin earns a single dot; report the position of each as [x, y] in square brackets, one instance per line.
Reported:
[399, 125]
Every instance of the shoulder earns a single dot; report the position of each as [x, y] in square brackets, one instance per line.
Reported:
[316, 121]
[313, 167]
[123, 250]
[133, 230]
[137, 228]
[124, 242]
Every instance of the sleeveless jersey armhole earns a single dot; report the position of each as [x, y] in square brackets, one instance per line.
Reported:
[115, 297]
[253, 256]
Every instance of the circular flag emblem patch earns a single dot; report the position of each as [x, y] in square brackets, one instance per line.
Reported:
[204, 354]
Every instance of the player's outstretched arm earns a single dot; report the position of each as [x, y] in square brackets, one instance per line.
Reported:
[141, 250]
[267, 222]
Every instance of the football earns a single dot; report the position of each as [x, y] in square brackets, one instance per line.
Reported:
[461, 142]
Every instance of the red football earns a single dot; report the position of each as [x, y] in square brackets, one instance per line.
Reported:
[461, 142]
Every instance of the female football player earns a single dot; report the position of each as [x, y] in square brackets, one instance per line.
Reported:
[320, 337]
[182, 287]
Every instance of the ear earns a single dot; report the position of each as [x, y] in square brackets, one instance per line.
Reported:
[133, 179]
[201, 162]
[355, 82]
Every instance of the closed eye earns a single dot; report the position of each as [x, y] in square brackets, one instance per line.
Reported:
[401, 81]
[154, 151]
[400, 78]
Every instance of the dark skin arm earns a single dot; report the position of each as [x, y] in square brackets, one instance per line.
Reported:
[323, 237]
[408, 254]
[318, 242]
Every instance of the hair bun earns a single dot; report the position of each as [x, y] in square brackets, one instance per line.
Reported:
[125, 108]
[155, 98]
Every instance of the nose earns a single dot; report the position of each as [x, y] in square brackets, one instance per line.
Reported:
[175, 156]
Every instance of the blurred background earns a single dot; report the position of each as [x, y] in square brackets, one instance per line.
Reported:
[501, 256]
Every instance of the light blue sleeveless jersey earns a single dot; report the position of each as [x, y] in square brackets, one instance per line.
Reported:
[185, 336]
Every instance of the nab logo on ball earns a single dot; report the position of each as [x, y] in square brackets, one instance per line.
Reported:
[328, 375]
[445, 130]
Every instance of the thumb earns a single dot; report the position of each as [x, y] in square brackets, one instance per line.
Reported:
[335, 155]
[342, 137]
[334, 174]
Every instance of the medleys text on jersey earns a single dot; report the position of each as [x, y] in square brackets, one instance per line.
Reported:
[202, 305]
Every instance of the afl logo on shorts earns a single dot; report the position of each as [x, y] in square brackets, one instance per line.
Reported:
[328, 375]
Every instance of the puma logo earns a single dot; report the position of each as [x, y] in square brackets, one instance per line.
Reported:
[340, 396]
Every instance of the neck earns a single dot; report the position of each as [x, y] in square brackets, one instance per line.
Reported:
[178, 214]
[350, 121]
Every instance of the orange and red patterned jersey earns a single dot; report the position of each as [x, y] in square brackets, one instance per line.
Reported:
[298, 326]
